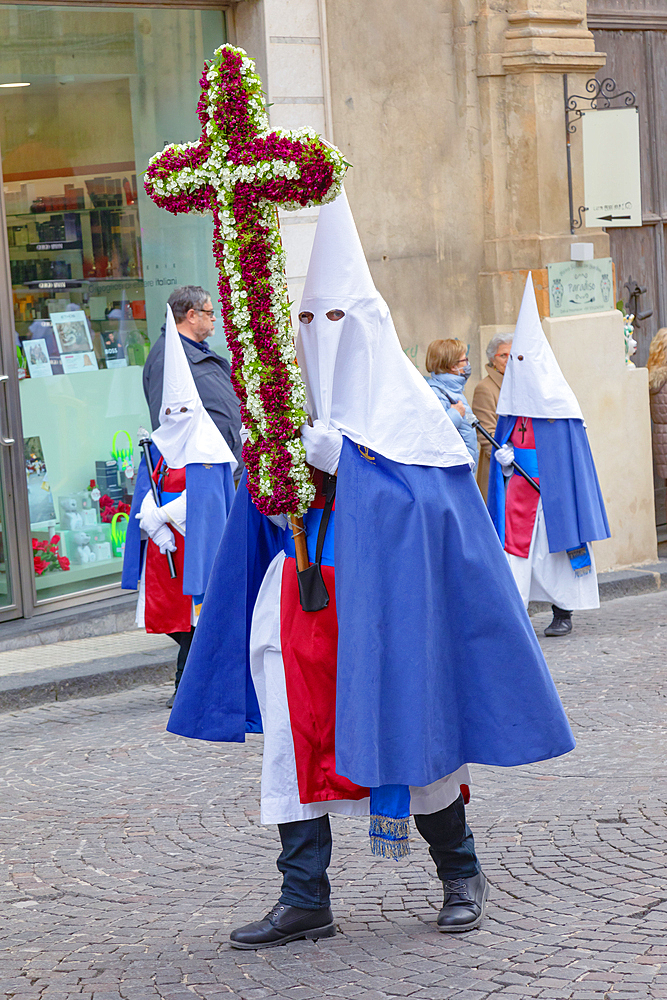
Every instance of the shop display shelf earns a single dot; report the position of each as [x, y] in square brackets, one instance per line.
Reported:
[101, 569]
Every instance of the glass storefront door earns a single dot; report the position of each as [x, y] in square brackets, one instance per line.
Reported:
[87, 95]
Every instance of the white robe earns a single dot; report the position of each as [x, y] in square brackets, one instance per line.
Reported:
[548, 576]
[280, 792]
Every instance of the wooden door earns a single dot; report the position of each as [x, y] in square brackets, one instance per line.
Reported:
[635, 41]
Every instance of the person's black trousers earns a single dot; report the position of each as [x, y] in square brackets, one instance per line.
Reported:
[306, 853]
[184, 640]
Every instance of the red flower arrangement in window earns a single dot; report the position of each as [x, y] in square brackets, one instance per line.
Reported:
[45, 556]
[108, 509]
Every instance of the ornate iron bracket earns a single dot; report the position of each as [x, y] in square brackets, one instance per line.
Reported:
[578, 222]
[600, 96]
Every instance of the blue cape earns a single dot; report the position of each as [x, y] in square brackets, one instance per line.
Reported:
[210, 497]
[574, 510]
[218, 701]
[438, 664]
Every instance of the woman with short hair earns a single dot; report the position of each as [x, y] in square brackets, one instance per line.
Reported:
[447, 360]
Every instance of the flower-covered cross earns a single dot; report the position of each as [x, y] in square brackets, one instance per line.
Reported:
[240, 172]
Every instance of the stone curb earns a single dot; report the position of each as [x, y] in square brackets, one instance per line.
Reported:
[632, 582]
[102, 618]
[106, 675]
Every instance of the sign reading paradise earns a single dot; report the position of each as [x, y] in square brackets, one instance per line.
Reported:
[577, 287]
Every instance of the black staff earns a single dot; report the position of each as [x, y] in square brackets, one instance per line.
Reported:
[145, 445]
[529, 479]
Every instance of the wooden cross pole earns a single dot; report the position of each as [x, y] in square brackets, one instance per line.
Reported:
[241, 171]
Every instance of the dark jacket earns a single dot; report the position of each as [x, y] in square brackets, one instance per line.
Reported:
[212, 378]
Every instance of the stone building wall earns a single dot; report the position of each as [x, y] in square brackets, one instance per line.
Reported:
[451, 113]
[405, 111]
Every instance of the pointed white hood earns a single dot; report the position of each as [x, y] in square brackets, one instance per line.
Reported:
[357, 376]
[186, 433]
[533, 384]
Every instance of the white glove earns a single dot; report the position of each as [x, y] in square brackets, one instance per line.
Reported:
[323, 446]
[150, 516]
[505, 455]
[164, 539]
[279, 520]
[245, 434]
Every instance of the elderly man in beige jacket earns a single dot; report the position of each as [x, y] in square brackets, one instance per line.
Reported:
[485, 400]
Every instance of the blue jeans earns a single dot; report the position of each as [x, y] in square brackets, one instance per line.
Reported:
[306, 853]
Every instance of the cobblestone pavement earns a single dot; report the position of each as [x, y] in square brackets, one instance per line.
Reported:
[129, 855]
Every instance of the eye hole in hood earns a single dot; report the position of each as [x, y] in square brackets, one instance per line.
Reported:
[335, 314]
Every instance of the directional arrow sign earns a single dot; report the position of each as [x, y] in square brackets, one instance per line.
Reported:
[612, 184]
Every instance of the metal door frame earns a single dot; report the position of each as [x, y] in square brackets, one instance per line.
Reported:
[16, 529]
[12, 465]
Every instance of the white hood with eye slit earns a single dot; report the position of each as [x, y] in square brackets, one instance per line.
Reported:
[187, 433]
[533, 384]
[357, 376]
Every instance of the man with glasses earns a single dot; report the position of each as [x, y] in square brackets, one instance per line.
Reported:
[195, 322]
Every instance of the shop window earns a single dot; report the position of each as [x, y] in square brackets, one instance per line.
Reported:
[92, 260]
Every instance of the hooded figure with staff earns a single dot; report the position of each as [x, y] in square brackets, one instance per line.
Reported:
[376, 686]
[183, 494]
[544, 496]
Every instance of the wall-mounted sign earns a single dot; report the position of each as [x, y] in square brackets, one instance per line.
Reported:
[580, 286]
[612, 182]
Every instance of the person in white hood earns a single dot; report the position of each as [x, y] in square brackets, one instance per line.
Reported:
[545, 526]
[193, 472]
[374, 697]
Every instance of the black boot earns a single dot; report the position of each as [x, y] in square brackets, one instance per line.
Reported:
[284, 923]
[452, 847]
[184, 640]
[303, 910]
[463, 906]
[561, 623]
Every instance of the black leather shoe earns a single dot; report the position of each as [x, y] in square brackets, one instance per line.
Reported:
[463, 908]
[170, 701]
[559, 626]
[285, 923]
